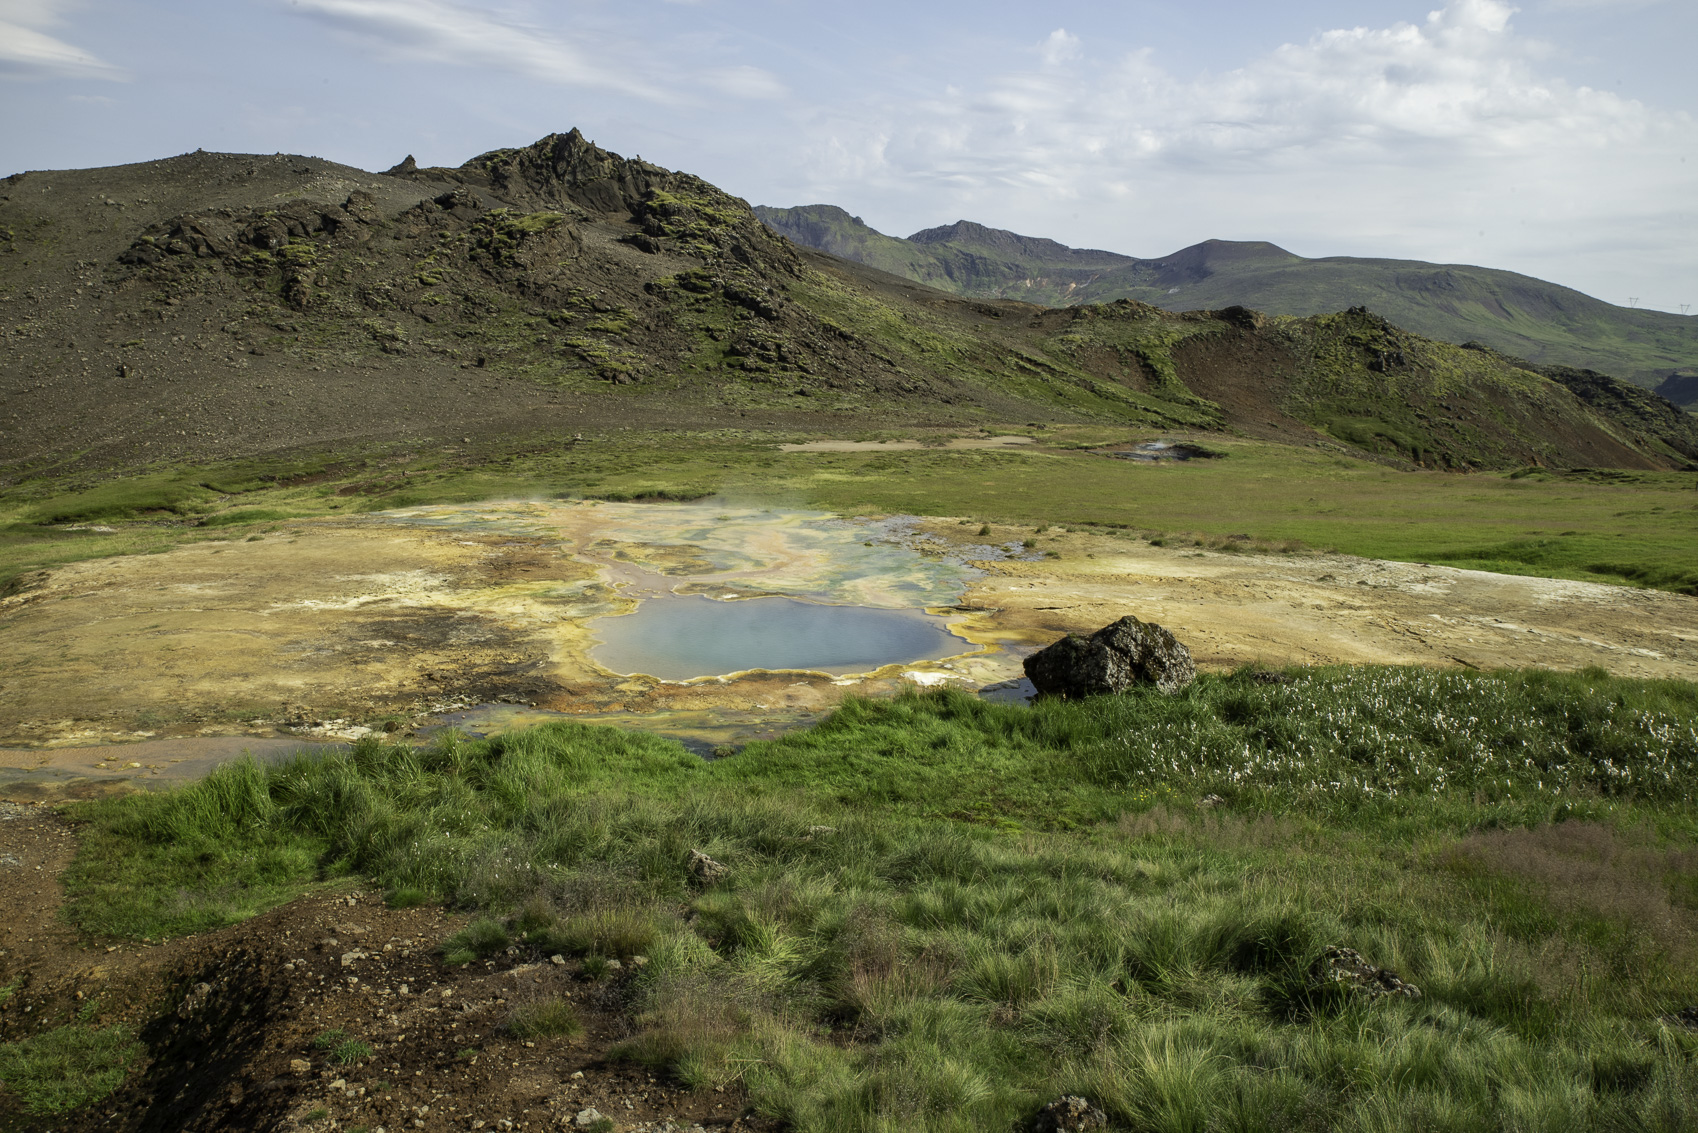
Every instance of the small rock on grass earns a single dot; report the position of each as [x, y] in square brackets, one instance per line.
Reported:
[1068, 1114]
[707, 870]
[587, 1118]
[1346, 967]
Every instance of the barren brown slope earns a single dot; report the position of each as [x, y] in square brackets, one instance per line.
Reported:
[217, 305]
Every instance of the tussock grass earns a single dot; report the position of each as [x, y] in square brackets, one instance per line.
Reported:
[550, 1017]
[942, 913]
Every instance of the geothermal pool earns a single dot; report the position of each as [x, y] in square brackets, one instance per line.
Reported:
[695, 591]
[716, 623]
[492, 616]
[680, 638]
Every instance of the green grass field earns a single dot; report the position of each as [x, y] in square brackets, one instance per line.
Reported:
[1639, 528]
[940, 914]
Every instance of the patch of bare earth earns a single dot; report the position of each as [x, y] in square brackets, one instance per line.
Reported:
[230, 1018]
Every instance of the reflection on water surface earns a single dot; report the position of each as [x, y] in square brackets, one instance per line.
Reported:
[677, 638]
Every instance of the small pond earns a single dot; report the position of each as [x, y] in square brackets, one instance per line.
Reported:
[711, 589]
[678, 638]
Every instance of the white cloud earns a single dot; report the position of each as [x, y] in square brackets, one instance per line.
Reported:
[611, 60]
[745, 82]
[1059, 47]
[453, 33]
[27, 50]
[1620, 5]
[1405, 140]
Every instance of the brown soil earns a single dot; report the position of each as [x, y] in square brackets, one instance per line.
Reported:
[229, 1018]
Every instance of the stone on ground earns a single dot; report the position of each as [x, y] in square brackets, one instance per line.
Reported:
[1117, 657]
[1345, 967]
[1069, 1114]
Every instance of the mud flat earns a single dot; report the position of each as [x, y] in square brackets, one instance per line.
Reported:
[1312, 610]
[326, 628]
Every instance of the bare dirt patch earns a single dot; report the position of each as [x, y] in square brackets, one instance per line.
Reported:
[250, 1027]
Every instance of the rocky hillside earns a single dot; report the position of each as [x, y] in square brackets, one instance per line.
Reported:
[218, 306]
[1518, 315]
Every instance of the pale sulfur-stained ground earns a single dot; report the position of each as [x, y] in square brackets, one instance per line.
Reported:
[320, 629]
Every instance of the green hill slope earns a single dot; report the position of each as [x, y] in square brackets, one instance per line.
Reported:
[228, 306]
[1515, 314]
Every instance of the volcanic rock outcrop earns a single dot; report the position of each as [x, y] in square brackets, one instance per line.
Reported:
[1121, 655]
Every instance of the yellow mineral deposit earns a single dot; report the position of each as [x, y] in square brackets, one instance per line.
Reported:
[323, 629]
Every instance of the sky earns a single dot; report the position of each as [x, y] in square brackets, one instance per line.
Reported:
[1558, 138]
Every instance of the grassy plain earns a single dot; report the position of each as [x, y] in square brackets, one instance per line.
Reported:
[940, 913]
[1610, 526]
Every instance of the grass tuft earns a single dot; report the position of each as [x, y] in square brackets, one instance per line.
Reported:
[544, 1018]
[66, 1067]
[483, 937]
[349, 1051]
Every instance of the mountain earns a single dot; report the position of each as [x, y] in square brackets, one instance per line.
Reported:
[962, 258]
[1516, 314]
[214, 307]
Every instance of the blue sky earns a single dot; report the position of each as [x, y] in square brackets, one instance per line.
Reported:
[1557, 138]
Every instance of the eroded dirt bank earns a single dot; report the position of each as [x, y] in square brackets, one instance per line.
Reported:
[233, 1023]
[331, 626]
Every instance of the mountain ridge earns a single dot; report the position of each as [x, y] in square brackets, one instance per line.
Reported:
[1519, 315]
[223, 306]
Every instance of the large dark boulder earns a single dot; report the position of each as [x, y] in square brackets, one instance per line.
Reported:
[1113, 659]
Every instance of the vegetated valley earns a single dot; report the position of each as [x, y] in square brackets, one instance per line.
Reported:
[1294, 896]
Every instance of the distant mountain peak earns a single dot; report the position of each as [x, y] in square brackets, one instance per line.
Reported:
[960, 230]
[977, 237]
[1192, 265]
[1516, 314]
